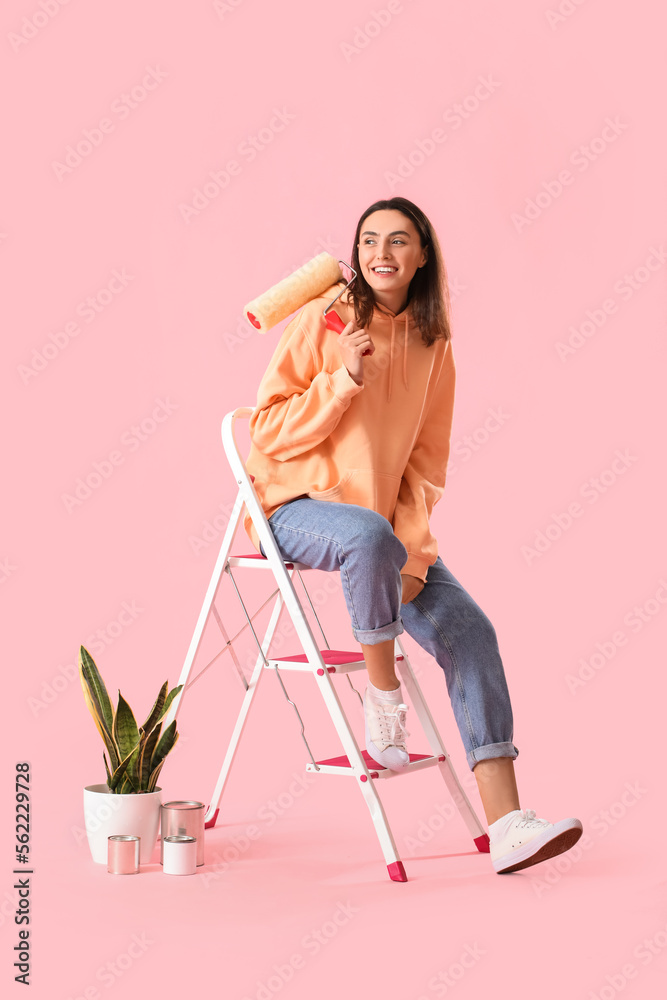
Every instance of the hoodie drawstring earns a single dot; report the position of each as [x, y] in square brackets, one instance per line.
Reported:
[405, 354]
[391, 356]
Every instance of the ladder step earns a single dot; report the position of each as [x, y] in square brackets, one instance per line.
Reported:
[339, 661]
[255, 560]
[341, 765]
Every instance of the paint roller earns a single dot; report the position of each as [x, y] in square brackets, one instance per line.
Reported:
[298, 288]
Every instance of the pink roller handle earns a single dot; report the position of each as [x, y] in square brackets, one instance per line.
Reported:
[334, 322]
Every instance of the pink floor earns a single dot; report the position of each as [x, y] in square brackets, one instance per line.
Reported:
[304, 904]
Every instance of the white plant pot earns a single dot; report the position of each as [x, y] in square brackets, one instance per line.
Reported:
[107, 815]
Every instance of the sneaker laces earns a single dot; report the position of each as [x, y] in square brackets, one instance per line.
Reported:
[529, 818]
[392, 724]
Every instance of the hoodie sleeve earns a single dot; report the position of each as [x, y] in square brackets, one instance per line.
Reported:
[423, 481]
[298, 403]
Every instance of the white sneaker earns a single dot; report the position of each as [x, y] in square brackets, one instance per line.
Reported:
[526, 840]
[386, 733]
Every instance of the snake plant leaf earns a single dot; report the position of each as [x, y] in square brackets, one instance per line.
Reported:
[147, 748]
[169, 699]
[118, 775]
[165, 745]
[154, 714]
[126, 787]
[125, 731]
[167, 704]
[91, 694]
[89, 671]
[106, 768]
[154, 776]
[132, 774]
[123, 775]
[101, 728]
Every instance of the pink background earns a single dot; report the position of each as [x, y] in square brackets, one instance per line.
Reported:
[361, 88]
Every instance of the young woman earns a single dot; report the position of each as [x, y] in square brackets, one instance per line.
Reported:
[350, 443]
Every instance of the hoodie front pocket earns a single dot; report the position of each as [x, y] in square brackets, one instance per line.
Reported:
[365, 488]
[333, 492]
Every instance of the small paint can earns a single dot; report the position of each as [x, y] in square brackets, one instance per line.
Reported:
[123, 855]
[179, 855]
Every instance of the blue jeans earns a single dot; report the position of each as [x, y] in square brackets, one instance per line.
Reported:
[443, 619]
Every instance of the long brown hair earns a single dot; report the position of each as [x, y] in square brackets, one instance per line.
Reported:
[428, 292]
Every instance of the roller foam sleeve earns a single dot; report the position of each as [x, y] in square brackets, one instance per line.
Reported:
[290, 294]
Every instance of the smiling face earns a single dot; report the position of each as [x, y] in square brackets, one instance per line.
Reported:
[390, 252]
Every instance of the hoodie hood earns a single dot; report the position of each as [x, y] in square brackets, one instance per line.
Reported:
[384, 318]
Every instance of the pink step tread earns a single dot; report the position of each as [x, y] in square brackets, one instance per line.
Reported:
[328, 655]
[258, 555]
[370, 763]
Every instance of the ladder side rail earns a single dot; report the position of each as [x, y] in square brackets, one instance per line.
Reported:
[427, 721]
[239, 725]
[437, 746]
[359, 769]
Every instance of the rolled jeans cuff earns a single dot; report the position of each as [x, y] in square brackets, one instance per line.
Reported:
[372, 636]
[490, 751]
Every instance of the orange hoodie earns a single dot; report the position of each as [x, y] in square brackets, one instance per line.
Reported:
[383, 445]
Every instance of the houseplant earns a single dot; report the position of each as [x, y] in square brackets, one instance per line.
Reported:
[129, 801]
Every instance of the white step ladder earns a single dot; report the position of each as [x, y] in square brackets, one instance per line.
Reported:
[322, 664]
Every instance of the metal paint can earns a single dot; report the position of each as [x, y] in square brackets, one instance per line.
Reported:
[123, 855]
[180, 856]
[183, 819]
